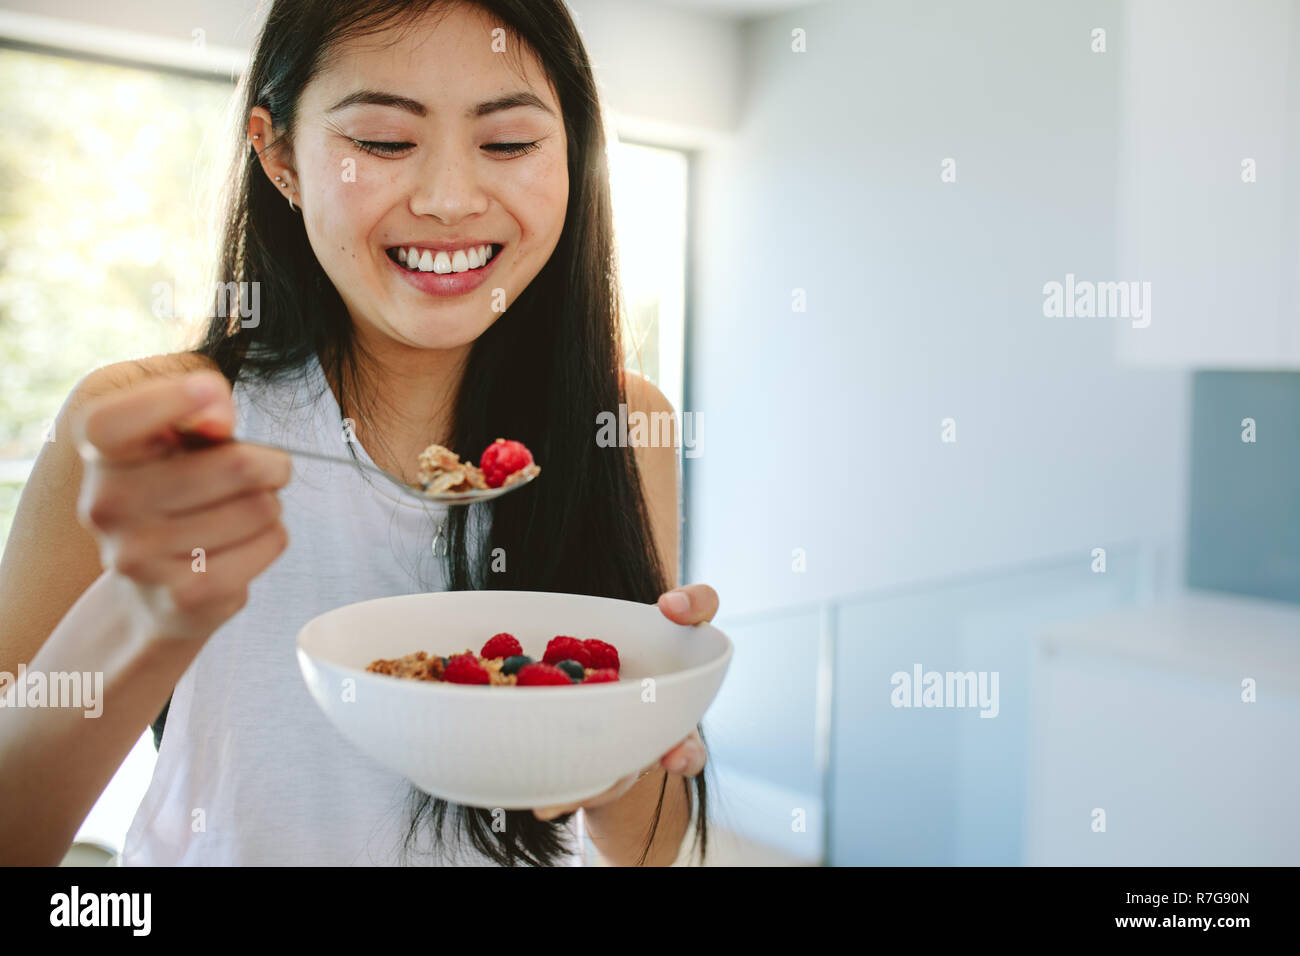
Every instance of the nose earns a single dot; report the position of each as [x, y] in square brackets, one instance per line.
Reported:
[449, 186]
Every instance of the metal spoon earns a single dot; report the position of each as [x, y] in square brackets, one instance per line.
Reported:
[191, 439]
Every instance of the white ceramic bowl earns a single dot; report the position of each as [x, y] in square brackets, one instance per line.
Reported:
[511, 747]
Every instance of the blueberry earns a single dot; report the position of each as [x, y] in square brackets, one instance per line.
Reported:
[511, 665]
[573, 669]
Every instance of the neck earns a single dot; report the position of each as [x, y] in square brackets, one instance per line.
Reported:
[405, 402]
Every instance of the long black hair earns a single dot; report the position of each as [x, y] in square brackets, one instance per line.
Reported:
[557, 345]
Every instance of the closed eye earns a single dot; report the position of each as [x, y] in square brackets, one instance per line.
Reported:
[381, 148]
[511, 149]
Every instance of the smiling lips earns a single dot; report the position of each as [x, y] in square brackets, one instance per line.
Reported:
[443, 262]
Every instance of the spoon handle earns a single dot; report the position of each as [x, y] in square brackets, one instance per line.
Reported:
[192, 439]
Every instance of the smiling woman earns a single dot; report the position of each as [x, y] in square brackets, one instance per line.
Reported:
[380, 156]
[458, 130]
[498, 316]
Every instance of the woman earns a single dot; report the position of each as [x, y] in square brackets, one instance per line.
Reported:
[373, 127]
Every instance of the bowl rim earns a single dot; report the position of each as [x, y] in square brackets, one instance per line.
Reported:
[387, 680]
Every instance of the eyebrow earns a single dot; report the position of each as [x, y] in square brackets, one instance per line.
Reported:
[380, 98]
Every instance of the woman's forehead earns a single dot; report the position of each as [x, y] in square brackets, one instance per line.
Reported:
[446, 62]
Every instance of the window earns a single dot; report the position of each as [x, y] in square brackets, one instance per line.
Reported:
[100, 162]
[648, 186]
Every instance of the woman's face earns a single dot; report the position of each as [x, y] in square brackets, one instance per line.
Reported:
[454, 176]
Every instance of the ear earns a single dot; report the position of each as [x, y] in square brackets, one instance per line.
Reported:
[276, 161]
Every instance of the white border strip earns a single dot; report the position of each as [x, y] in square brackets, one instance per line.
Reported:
[80, 38]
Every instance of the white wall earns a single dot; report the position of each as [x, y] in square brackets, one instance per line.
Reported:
[668, 73]
[1219, 252]
[821, 430]
[230, 23]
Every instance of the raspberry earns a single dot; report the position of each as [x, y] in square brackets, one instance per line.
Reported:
[602, 655]
[538, 675]
[602, 675]
[465, 669]
[566, 649]
[503, 458]
[501, 645]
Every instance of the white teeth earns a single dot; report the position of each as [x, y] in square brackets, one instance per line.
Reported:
[443, 263]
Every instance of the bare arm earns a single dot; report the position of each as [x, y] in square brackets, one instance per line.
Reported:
[61, 615]
[67, 609]
[56, 761]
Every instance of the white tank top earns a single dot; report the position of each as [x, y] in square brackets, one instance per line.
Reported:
[250, 772]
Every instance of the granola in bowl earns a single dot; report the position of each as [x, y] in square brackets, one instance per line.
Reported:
[502, 663]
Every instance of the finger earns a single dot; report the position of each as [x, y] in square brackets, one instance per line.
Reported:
[687, 758]
[136, 425]
[145, 554]
[203, 477]
[690, 604]
[234, 567]
[179, 485]
[550, 813]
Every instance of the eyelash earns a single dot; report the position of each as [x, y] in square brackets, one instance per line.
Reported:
[392, 149]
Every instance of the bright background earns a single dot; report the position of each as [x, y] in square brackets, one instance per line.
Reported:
[846, 539]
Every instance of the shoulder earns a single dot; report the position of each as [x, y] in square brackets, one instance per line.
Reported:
[660, 422]
[119, 375]
[643, 395]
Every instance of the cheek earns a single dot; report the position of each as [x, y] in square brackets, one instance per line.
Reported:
[343, 210]
[544, 194]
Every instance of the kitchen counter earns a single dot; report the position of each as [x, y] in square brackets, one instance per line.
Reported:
[1145, 750]
[1204, 632]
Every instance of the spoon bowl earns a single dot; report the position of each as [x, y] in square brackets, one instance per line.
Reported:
[192, 439]
[471, 496]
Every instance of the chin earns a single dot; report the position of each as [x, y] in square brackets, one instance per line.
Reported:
[440, 334]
